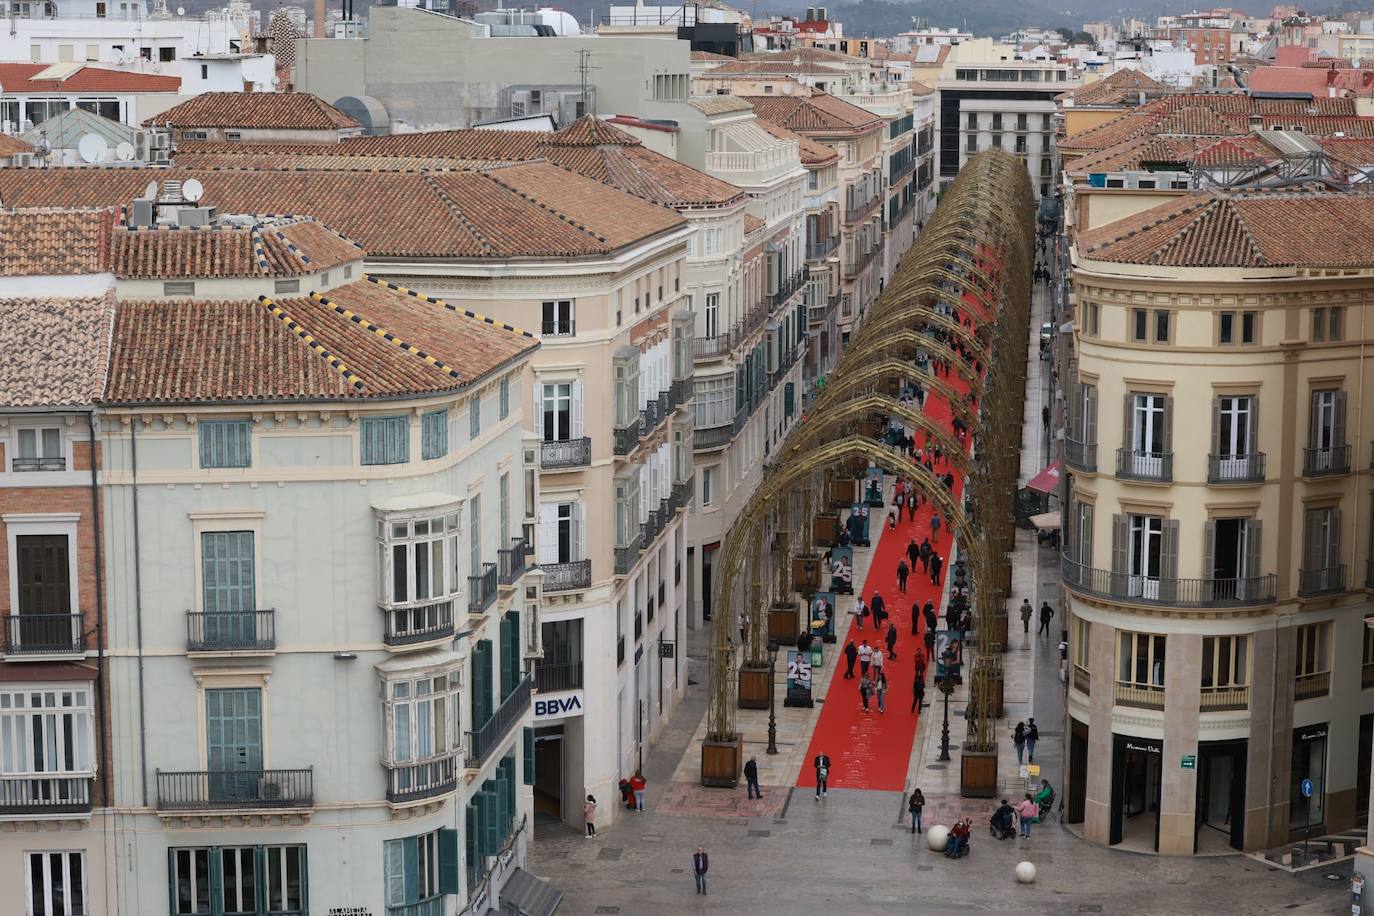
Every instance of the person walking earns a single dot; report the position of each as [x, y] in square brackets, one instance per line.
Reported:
[880, 688]
[913, 553]
[865, 658]
[1046, 613]
[879, 609]
[822, 764]
[589, 815]
[637, 785]
[915, 804]
[860, 611]
[700, 865]
[1032, 736]
[935, 524]
[877, 662]
[865, 691]
[1026, 809]
[891, 640]
[925, 555]
[851, 654]
[1045, 417]
[918, 691]
[936, 564]
[912, 504]
[751, 778]
[902, 572]
[929, 613]
[1018, 738]
[915, 618]
[1026, 612]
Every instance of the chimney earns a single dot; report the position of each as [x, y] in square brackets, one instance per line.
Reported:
[319, 19]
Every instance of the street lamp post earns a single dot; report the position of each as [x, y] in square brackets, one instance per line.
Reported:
[946, 685]
[772, 691]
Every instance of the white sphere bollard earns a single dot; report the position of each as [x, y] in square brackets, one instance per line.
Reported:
[937, 838]
[1025, 872]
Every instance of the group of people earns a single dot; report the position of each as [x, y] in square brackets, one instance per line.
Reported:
[1046, 615]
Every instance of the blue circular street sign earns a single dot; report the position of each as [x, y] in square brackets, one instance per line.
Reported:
[1307, 788]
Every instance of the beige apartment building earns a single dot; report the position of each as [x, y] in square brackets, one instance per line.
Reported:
[1217, 559]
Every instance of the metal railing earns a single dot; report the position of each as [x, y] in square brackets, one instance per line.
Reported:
[904, 168]
[422, 779]
[625, 555]
[627, 437]
[650, 528]
[859, 265]
[565, 577]
[420, 623]
[513, 561]
[558, 328]
[230, 631]
[1322, 580]
[1082, 681]
[680, 391]
[712, 437]
[1232, 697]
[558, 674]
[683, 492]
[46, 795]
[817, 250]
[565, 453]
[1133, 465]
[1233, 592]
[859, 211]
[1235, 468]
[209, 790]
[1318, 462]
[44, 634]
[489, 736]
[1143, 696]
[1309, 686]
[648, 417]
[482, 589]
[789, 287]
[1081, 456]
[430, 906]
[38, 464]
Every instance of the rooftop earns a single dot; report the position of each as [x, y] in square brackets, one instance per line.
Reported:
[57, 350]
[1123, 86]
[43, 242]
[819, 114]
[20, 78]
[1248, 229]
[254, 111]
[812, 153]
[251, 247]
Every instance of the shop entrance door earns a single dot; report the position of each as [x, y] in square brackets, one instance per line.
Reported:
[548, 775]
[1136, 770]
[1221, 792]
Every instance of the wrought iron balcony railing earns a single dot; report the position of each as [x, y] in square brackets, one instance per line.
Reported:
[1233, 592]
[44, 634]
[1133, 465]
[46, 795]
[211, 790]
[1320, 462]
[566, 577]
[231, 631]
[1321, 581]
[482, 589]
[513, 561]
[418, 623]
[558, 454]
[486, 739]
[412, 781]
[1235, 468]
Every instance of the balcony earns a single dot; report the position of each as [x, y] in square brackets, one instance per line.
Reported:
[712, 437]
[38, 464]
[482, 589]
[512, 562]
[561, 454]
[1141, 696]
[485, 740]
[430, 906]
[1133, 465]
[1323, 580]
[682, 493]
[551, 676]
[1235, 468]
[206, 790]
[754, 167]
[417, 624]
[627, 437]
[46, 796]
[626, 555]
[408, 782]
[861, 210]
[1311, 686]
[1081, 456]
[1323, 462]
[44, 635]
[860, 264]
[567, 577]
[651, 528]
[1217, 699]
[1236, 592]
[231, 631]
[1082, 681]
[815, 251]
[897, 172]
[789, 288]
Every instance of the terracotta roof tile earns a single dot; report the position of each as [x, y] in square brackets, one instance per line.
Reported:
[816, 114]
[1124, 85]
[50, 242]
[254, 111]
[57, 351]
[12, 146]
[812, 153]
[806, 54]
[589, 130]
[785, 66]
[288, 248]
[752, 223]
[720, 104]
[19, 78]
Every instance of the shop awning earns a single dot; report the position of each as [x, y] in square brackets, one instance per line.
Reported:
[525, 894]
[1047, 481]
[1046, 521]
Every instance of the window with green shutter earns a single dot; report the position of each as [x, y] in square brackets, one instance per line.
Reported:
[448, 862]
[503, 505]
[475, 535]
[225, 444]
[434, 434]
[491, 838]
[384, 440]
[528, 751]
[227, 573]
[475, 416]
[505, 397]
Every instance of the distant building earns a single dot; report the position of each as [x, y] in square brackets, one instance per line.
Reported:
[295, 117]
[32, 93]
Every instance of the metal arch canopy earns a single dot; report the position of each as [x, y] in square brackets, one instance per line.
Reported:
[864, 376]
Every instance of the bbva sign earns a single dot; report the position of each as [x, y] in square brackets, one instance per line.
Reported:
[557, 705]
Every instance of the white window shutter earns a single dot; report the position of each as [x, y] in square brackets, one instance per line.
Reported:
[577, 409]
[538, 394]
[579, 527]
[548, 533]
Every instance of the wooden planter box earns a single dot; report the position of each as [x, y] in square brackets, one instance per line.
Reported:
[721, 763]
[844, 493]
[977, 773]
[998, 687]
[806, 574]
[999, 632]
[753, 687]
[823, 530]
[784, 623]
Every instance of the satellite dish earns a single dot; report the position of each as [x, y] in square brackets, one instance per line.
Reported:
[192, 189]
[150, 192]
[181, 11]
[93, 148]
[124, 151]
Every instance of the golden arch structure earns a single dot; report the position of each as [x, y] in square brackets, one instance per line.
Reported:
[961, 296]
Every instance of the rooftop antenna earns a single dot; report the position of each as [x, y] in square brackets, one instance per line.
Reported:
[584, 67]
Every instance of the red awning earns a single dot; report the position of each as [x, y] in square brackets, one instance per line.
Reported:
[1047, 481]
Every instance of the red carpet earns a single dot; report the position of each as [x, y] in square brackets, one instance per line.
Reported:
[869, 750]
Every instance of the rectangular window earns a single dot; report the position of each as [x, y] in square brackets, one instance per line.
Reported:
[46, 732]
[56, 884]
[415, 557]
[166, 55]
[286, 286]
[1313, 648]
[1335, 327]
[38, 449]
[422, 718]
[558, 411]
[1082, 644]
[226, 444]
[503, 503]
[504, 397]
[1140, 322]
[1161, 327]
[1094, 319]
[1140, 659]
[1225, 662]
[475, 416]
[558, 318]
[712, 315]
[384, 440]
[475, 537]
[1226, 328]
[227, 571]
[1249, 327]
[708, 481]
[238, 880]
[971, 145]
[434, 434]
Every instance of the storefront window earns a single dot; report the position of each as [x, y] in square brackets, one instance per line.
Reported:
[1309, 763]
